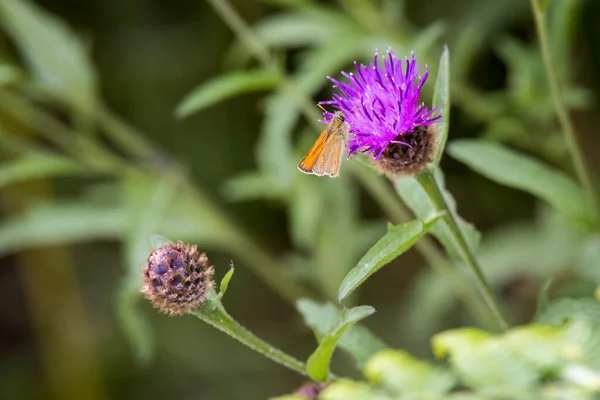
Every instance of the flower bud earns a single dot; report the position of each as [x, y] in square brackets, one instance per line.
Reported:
[176, 278]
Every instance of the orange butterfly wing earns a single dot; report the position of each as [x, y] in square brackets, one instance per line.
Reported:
[324, 157]
[329, 161]
[307, 164]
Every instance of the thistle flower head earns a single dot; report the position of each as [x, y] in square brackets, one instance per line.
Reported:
[381, 104]
[176, 278]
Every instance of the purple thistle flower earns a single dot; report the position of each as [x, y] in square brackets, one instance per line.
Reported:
[381, 105]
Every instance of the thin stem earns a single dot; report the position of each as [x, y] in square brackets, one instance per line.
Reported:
[398, 212]
[571, 141]
[433, 190]
[244, 33]
[214, 314]
[126, 137]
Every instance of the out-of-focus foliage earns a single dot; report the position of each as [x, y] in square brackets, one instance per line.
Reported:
[555, 358]
[229, 129]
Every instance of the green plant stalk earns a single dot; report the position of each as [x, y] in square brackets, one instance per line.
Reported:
[213, 313]
[427, 180]
[244, 33]
[568, 131]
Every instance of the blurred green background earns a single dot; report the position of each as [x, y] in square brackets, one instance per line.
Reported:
[76, 224]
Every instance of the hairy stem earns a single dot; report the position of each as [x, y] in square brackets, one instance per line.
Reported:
[214, 314]
[433, 190]
[568, 131]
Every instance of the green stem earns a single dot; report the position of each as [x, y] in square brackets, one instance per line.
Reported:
[214, 314]
[244, 33]
[398, 212]
[571, 141]
[433, 190]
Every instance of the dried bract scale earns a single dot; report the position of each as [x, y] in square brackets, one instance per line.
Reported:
[176, 278]
[411, 156]
[381, 106]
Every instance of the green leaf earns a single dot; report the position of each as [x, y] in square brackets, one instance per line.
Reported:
[53, 224]
[305, 209]
[225, 281]
[55, 55]
[539, 345]
[396, 241]
[350, 390]
[415, 197]
[564, 309]
[35, 166]
[295, 29]
[582, 346]
[252, 186]
[519, 171]
[358, 341]
[317, 365]
[441, 100]
[225, 87]
[402, 374]
[274, 149]
[483, 362]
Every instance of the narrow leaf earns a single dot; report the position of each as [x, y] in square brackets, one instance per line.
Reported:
[56, 56]
[396, 241]
[317, 365]
[252, 186]
[415, 197]
[358, 341]
[49, 225]
[35, 166]
[225, 281]
[274, 149]
[441, 100]
[520, 171]
[224, 87]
